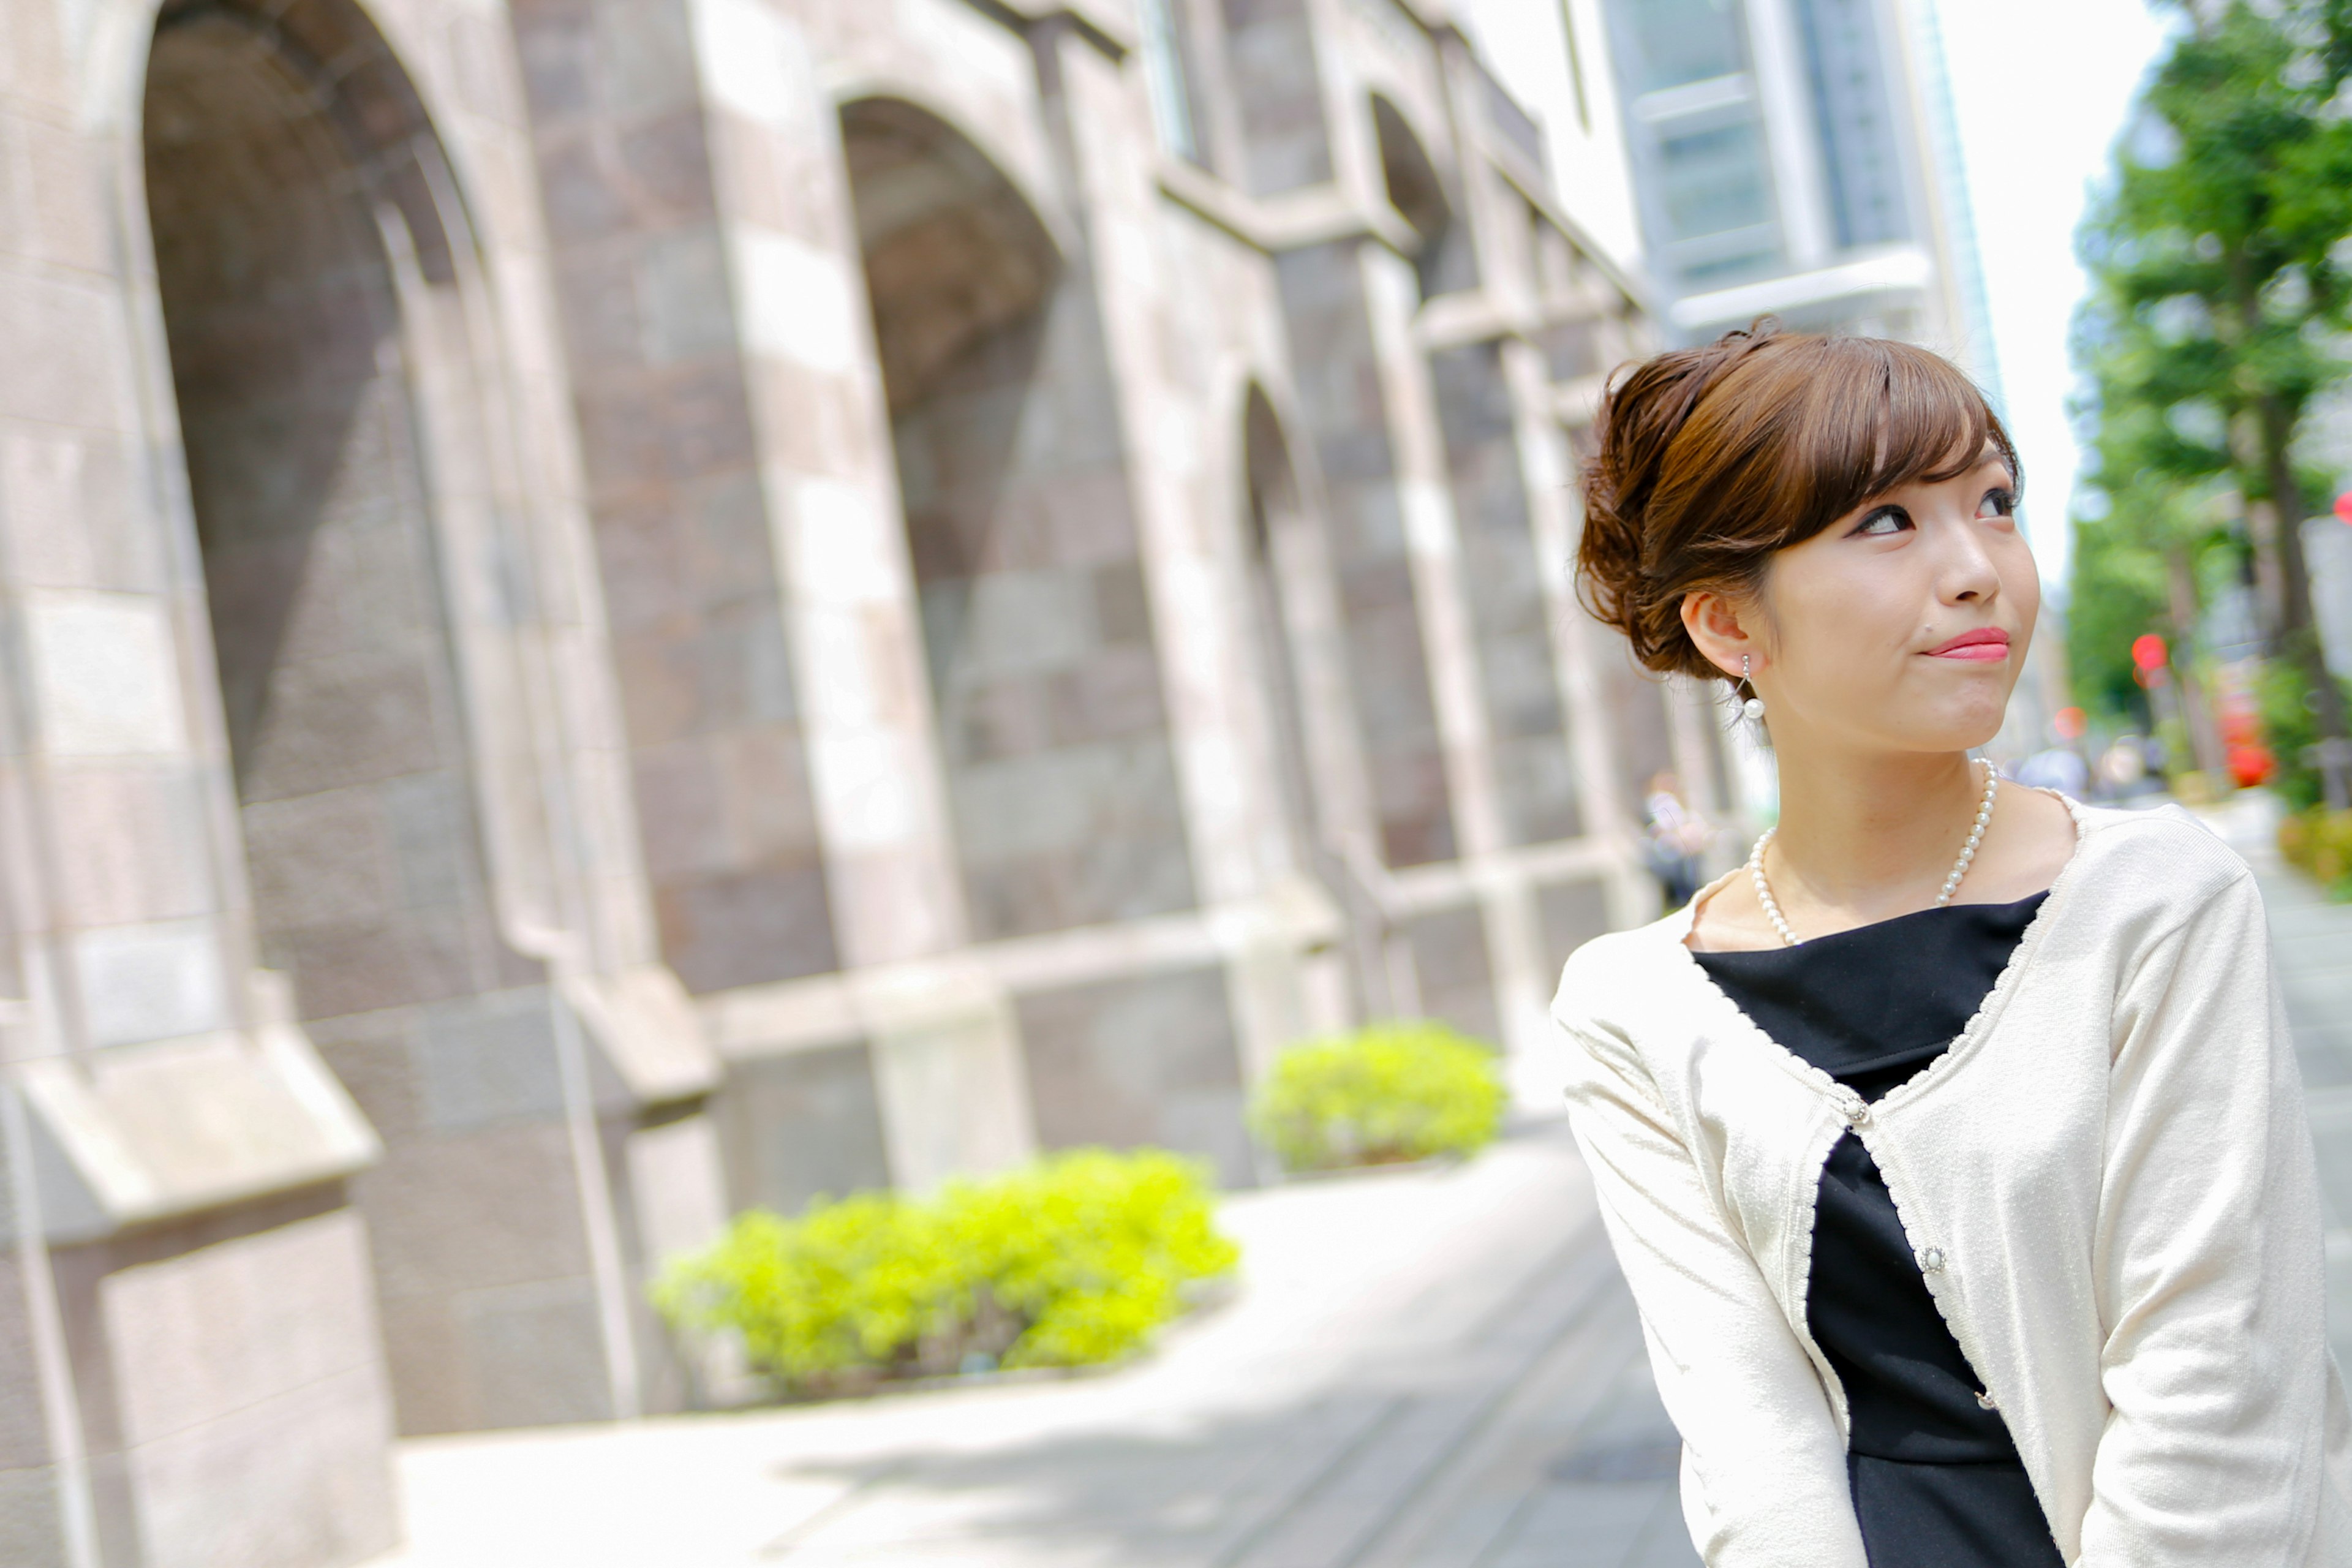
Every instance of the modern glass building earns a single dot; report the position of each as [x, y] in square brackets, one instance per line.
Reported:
[1793, 157]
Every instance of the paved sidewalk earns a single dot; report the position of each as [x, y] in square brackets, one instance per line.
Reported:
[2312, 941]
[1426, 1370]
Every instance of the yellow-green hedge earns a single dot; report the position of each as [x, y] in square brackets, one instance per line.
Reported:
[1075, 1259]
[1386, 1093]
[2320, 841]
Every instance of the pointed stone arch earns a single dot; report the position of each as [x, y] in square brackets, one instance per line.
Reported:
[1020, 521]
[402, 801]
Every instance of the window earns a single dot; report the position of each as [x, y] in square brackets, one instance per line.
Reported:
[1169, 79]
[1712, 181]
[1675, 42]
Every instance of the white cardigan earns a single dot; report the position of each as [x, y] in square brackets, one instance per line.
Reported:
[2108, 1181]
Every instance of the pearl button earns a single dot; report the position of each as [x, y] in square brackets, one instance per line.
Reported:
[1931, 1261]
[1985, 1401]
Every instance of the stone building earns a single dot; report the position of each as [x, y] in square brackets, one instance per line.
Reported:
[617, 609]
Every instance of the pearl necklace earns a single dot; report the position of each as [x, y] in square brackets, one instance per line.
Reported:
[1951, 883]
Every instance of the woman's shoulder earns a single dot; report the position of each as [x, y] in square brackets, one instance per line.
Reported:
[2139, 875]
[1610, 978]
[2167, 850]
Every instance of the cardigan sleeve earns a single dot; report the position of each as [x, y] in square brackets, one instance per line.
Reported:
[2207, 1262]
[1763, 1476]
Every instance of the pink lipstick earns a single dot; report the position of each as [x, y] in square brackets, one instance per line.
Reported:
[1985, 644]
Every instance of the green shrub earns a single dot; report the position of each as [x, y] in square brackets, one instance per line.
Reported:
[2320, 841]
[1072, 1260]
[1388, 1092]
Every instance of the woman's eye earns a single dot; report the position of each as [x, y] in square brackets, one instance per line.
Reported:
[1886, 520]
[1998, 503]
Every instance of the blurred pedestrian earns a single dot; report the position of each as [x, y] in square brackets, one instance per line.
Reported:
[2061, 768]
[1678, 840]
[2097, 1329]
[2123, 766]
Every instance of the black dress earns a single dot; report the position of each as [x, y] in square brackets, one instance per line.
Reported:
[1936, 1480]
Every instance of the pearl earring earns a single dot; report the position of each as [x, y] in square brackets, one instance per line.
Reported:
[1753, 709]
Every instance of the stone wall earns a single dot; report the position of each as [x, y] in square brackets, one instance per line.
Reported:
[622, 608]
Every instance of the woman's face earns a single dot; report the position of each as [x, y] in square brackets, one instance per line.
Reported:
[1903, 626]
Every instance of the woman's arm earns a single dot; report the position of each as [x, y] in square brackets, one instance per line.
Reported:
[1764, 1478]
[2208, 1267]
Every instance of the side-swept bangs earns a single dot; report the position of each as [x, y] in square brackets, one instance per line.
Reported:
[1805, 429]
[1712, 458]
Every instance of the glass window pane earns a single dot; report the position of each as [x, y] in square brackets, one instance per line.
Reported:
[1710, 181]
[1670, 42]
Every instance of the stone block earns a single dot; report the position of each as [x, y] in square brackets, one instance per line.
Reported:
[130, 842]
[1535, 778]
[798, 1125]
[105, 675]
[200, 1336]
[742, 929]
[768, 811]
[485, 1059]
[429, 821]
[322, 860]
[800, 302]
[431, 1392]
[291, 1482]
[682, 282]
[1115, 694]
[496, 1206]
[1149, 1061]
[645, 54]
[679, 821]
[704, 417]
[1122, 604]
[535, 1354]
[1450, 959]
[555, 50]
[32, 1530]
[24, 1434]
[584, 202]
[989, 720]
[370, 1057]
[150, 982]
[1570, 914]
[344, 970]
[70, 515]
[812, 421]
[676, 1187]
[603, 320]
[333, 722]
[688, 677]
[1021, 622]
[666, 162]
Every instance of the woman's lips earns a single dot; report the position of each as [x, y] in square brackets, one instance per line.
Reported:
[1987, 645]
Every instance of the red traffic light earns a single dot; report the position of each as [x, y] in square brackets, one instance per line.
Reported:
[2149, 654]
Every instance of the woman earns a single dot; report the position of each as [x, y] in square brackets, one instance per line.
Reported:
[1953, 1147]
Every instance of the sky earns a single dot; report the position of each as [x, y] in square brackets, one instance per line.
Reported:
[2039, 89]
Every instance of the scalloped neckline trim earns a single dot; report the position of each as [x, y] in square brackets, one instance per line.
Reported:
[1962, 1045]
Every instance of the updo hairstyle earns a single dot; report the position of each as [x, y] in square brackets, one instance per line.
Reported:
[1712, 458]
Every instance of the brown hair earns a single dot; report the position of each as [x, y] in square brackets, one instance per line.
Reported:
[1712, 458]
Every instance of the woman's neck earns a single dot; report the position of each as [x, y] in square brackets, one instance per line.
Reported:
[1865, 834]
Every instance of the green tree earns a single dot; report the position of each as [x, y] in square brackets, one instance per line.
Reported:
[2221, 289]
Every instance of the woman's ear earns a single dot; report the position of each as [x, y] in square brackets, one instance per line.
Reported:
[1716, 631]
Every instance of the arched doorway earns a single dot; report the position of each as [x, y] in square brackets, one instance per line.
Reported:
[1013, 474]
[291, 179]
